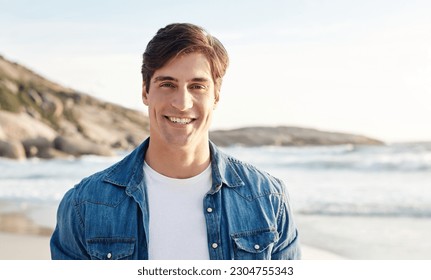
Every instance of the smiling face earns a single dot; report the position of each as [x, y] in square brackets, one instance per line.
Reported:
[180, 102]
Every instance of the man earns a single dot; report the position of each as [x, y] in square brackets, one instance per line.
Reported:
[177, 196]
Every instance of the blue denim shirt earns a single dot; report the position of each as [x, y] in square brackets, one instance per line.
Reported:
[105, 216]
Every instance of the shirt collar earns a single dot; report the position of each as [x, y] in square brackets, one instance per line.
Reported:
[129, 171]
[223, 170]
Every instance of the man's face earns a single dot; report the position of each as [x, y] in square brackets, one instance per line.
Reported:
[180, 101]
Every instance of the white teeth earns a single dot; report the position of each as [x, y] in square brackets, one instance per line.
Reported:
[180, 120]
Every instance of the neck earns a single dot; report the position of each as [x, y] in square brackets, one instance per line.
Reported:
[178, 162]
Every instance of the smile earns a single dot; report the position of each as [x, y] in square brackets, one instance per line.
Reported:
[180, 120]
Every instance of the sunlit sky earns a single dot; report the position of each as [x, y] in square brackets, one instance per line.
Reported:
[341, 65]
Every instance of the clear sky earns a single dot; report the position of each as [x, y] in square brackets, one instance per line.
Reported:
[342, 65]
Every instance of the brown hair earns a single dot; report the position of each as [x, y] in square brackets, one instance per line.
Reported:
[184, 38]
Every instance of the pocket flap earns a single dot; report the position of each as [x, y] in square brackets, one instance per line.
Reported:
[111, 248]
[255, 241]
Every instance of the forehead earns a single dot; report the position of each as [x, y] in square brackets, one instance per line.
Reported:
[186, 67]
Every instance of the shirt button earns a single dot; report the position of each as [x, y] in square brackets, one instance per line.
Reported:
[209, 210]
[214, 245]
[257, 247]
[109, 255]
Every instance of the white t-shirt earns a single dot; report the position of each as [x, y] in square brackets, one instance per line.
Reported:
[177, 224]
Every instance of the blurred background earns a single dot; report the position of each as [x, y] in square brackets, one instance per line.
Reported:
[357, 67]
[361, 67]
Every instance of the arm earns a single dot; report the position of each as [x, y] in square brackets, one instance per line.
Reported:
[288, 247]
[67, 241]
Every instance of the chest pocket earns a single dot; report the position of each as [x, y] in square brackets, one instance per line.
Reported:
[111, 248]
[254, 245]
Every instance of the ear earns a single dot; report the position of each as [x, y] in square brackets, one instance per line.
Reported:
[144, 94]
[216, 100]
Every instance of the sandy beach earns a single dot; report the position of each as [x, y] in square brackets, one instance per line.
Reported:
[24, 235]
[368, 237]
[21, 238]
[33, 247]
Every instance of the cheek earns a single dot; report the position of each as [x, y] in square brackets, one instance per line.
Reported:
[209, 110]
[208, 106]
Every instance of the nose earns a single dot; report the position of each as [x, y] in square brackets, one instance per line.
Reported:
[182, 100]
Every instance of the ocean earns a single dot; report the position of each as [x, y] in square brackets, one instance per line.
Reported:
[360, 202]
[392, 180]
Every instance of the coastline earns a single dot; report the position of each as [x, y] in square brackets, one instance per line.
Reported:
[21, 238]
[363, 237]
[25, 232]
[36, 247]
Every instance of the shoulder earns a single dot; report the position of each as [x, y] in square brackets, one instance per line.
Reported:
[109, 185]
[256, 177]
[255, 181]
[95, 189]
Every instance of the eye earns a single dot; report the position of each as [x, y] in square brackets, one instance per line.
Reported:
[167, 85]
[198, 86]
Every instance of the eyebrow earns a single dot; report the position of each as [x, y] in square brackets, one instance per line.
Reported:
[202, 80]
[169, 78]
[164, 78]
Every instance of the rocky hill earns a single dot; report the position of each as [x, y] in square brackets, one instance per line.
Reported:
[39, 118]
[287, 136]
